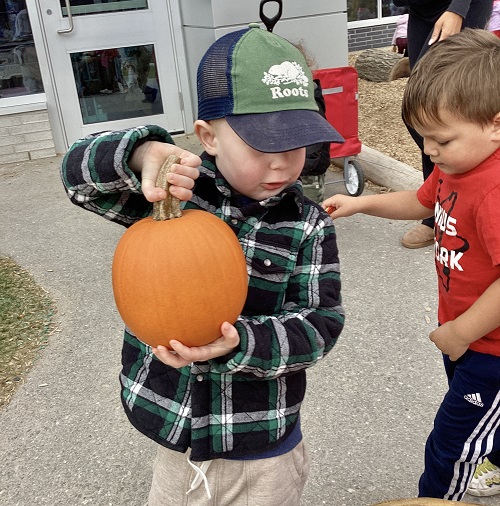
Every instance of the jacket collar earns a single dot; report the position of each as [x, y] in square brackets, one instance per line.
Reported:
[292, 194]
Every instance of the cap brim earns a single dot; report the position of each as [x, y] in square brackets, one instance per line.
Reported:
[275, 132]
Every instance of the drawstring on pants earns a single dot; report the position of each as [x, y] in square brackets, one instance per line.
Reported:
[200, 476]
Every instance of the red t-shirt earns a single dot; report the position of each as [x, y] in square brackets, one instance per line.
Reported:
[467, 239]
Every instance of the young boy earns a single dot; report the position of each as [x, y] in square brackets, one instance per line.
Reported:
[452, 99]
[235, 403]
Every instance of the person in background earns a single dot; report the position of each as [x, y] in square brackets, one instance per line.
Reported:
[400, 37]
[494, 24]
[460, 125]
[431, 21]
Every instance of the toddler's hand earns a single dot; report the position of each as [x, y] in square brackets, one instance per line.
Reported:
[147, 160]
[183, 355]
[339, 206]
[448, 339]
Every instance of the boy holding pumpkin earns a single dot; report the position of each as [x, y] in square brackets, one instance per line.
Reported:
[234, 403]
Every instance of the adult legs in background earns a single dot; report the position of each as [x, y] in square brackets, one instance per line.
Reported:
[419, 33]
[420, 26]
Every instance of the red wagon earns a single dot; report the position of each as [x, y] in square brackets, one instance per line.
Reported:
[340, 91]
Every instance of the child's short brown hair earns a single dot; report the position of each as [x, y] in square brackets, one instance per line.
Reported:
[461, 75]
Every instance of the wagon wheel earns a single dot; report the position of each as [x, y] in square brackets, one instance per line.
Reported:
[354, 178]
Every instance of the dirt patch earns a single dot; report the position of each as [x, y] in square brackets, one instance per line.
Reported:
[380, 125]
[26, 321]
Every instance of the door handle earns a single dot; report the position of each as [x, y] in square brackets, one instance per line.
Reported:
[70, 19]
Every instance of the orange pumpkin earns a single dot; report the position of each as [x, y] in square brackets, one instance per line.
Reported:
[179, 278]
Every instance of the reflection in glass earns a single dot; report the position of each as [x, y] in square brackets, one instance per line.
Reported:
[359, 10]
[19, 69]
[389, 9]
[117, 83]
[79, 7]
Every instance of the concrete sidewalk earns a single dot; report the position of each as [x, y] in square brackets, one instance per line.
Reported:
[64, 439]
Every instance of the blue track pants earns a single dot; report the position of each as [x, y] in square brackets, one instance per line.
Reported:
[466, 427]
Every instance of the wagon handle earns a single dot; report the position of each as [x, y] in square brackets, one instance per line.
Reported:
[270, 22]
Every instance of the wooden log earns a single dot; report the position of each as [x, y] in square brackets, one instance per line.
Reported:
[384, 171]
[380, 65]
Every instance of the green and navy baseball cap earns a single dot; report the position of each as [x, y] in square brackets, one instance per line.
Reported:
[262, 85]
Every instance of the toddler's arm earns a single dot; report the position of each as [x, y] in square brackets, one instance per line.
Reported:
[453, 338]
[102, 172]
[305, 316]
[402, 205]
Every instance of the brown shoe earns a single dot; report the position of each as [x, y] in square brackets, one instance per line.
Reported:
[418, 237]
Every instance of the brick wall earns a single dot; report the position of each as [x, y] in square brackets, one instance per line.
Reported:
[367, 37]
[25, 136]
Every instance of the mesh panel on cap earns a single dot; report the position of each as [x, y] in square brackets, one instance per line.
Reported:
[215, 94]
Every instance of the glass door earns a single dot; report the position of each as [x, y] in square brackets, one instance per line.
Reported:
[113, 64]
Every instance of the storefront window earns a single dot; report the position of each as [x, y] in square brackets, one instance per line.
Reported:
[361, 10]
[19, 70]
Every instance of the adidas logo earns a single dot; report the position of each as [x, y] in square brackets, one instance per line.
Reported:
[474, 399]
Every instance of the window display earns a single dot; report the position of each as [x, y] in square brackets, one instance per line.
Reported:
[360, 10]
[19, 69]
[117, 83]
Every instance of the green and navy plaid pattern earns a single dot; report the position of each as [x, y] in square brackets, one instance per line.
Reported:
[247, 402]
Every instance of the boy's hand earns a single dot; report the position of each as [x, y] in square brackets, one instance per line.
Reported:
[340, 206]
[147, 160]
[183, 355]
[449, 340]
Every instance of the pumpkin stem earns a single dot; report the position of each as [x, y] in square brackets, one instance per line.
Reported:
[171, 206]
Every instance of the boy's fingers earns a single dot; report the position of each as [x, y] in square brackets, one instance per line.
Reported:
[182, 180]
[181, 193]
[151, 191]
[228, 330]
[169, 357]
[190, 159]
[230, 335]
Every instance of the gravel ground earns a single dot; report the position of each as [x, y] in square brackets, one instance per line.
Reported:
[380, 125]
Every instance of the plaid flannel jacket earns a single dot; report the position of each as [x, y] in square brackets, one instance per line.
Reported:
[249, 401]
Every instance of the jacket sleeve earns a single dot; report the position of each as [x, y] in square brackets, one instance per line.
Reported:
[96, 176]
[311, 319]
[432, 9]
[460, 7]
